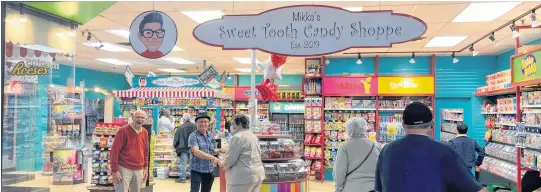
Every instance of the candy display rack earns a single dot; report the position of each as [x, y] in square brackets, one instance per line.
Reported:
[102, 141]
[313, 117]
[281, 158]
[450, 118]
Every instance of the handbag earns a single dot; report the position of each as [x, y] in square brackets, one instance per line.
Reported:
[369, 152]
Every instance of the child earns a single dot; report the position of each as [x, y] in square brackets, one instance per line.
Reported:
[466, 148]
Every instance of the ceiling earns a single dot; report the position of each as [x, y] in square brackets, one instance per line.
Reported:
[437, 15]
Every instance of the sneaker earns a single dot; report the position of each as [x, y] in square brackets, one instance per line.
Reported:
[181, 181]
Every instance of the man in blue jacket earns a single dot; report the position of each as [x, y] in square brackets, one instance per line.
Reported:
[467, 147]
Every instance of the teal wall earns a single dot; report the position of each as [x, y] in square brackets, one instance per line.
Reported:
[104, 80]
[455, 82]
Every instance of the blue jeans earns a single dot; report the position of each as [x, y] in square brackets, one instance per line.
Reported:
[183, 162]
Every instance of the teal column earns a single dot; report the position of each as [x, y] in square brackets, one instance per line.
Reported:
[218, 115]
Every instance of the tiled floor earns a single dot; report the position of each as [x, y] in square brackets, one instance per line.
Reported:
[161, 185]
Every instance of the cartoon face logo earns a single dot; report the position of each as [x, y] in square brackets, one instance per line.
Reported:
[142, 82]
[153, 34]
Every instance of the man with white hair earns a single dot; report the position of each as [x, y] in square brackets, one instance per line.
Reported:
[418, 163]
[181, 144]
[129, 155]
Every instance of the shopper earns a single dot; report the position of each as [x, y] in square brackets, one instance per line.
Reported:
[418, 163]
[164, 123]
[466, 148]
[203, 148]
[242, 162]
[193, 113]
[180, 143]
[531, 181]
[129, 155]
[355, 165]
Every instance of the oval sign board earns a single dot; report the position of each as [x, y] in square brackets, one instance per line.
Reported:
[309, 30]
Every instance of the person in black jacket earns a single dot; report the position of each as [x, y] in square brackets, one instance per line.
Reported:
[181, 144]
[531, 181]
[467, 147]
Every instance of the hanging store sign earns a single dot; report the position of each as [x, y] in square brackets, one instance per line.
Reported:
[406, 85]
[287, 107]
[308, 30]
[350, 86]
[166, 82]
[525, 67]
[207, 75]
[153, 34]
[129, 76]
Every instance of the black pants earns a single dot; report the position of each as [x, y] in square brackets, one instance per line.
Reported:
[531, 181]
[201, 180]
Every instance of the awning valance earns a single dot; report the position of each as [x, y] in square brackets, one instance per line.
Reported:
[172, 92]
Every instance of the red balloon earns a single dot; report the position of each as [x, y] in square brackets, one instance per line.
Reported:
[267, 90]
[278, 60]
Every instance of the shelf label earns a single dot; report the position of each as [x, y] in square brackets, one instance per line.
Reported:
[350, 86]
[308, 30]
[525, 67]
[406, 85]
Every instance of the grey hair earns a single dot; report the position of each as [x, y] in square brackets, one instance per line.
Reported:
[356, 127]
[186, 117]
[419, 126]
[242, 121]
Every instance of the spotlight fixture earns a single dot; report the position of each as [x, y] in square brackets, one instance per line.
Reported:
[493, 39]
[455, 60]
[535, 23]
[72, 30]
[473, 51]
[99, 46]
[22, 18]
[514, 30]
[327, 61]
[359, 59]
[412, 60]
[89, 37]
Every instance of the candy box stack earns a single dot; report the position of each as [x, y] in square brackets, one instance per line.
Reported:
[496, 81]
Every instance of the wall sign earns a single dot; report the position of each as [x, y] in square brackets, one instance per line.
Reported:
[350, 86]
[207, 75]
[406, 85]
[287, 107]
[243, 93]
[153, 34]
[306, 30]
[21, 69]
[525, 67]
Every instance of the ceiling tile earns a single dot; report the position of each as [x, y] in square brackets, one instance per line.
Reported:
[438, 13]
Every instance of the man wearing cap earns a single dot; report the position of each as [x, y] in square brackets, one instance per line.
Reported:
[416, 163]
[203, 148]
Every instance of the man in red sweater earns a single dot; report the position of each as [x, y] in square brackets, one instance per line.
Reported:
[129, 155]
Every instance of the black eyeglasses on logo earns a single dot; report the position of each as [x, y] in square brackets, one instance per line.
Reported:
[148, 33]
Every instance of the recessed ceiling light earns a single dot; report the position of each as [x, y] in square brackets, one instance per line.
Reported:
[203, 16]
[485, 11]
[245, 70]
[107, 47]
[113, 61]
[124, 33]
[178, 60]
[243, 60]
[178, 49]
[354, 9]
[445, 41]
[172, 70]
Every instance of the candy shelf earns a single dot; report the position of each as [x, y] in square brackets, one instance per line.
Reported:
[102, 140]
[450, 119]
[389, 115]
[314, 116]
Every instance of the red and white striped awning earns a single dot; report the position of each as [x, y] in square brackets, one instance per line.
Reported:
[26, 51]
[172, 92]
